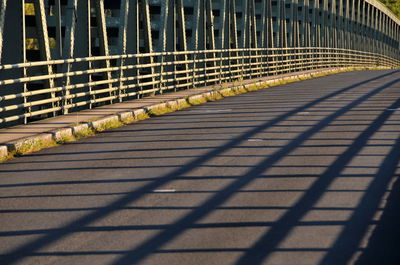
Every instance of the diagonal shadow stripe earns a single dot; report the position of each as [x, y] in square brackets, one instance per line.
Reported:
[153, 179]
[349, 239]
[281, 228]
[167, 226]
[265, 245]
[383, 246]
[29, 248]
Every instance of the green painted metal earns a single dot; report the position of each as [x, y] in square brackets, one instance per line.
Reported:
[3, 8]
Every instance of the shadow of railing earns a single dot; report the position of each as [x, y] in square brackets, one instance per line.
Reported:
[267, 242]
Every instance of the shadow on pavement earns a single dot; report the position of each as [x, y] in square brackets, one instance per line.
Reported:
[384, 244]
[269, 241]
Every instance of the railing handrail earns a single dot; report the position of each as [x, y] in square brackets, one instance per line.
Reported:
[142, 55]
[203, 67]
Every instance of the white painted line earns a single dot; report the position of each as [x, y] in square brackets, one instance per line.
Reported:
[255, 140]
[303, 113]
[163, 191]
[218, 110]
[212, 110]
[393, 109]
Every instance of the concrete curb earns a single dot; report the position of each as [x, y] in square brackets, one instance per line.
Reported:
[3, 150]
[28, 143]
[47, 139]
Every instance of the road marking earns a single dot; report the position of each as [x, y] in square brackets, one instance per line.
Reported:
[393, 109]
[164, 191]
[255, 140]
[212, 110]
[304, 113]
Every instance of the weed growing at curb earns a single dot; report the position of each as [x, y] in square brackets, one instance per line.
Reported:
[32, 146]
[63, 139]
[128, 120]
[83, 133]
[108, 125]
[195, 101]
[142, 116]
[183, 105]
[6, 157]
[159, 110]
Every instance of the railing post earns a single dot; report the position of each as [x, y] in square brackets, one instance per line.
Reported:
[230, 65]
[121, 76]
[204, 64]
[161, 73]
[175, 78]
[220, 67]
[194, 69]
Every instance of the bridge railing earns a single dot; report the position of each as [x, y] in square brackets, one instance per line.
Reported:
[84, 83]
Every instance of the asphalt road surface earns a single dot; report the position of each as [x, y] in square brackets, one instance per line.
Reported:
[300, 174]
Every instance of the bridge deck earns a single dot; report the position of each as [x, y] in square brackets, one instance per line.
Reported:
[304, 173]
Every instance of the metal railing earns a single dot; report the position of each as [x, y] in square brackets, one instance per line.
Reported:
[83, 83]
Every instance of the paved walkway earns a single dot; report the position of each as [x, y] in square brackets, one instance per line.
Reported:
[304, 173]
